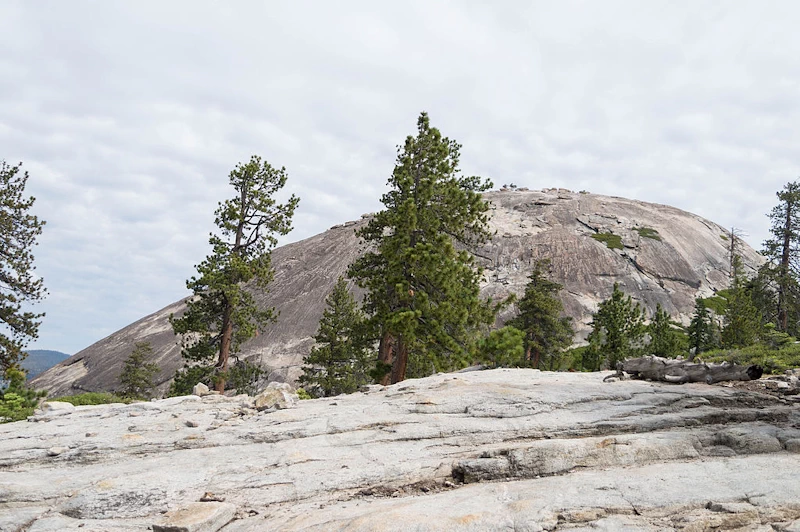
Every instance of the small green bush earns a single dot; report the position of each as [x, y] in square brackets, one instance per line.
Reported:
[611, 240]
[724, 237]
[302, 394]
[93, 398]
[648, 232]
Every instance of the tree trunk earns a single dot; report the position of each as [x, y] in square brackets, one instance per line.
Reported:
[224, 347]
[783, 315]
[386, 352]
[227, 317]
[536, 356]
[681, 371]
[400, 362]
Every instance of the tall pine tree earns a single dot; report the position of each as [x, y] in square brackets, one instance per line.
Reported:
[19, 285]
[340, 361]
[422, 291]
[222, 314]
[547, 332]
[781, 250]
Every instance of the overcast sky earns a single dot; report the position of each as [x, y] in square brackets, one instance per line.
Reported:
[129, 115]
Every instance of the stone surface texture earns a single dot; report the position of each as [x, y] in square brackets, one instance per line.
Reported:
[688, 258]
[494, 450]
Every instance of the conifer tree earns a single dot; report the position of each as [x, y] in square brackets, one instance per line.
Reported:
[222, 314]
[617, 330]
[340, 361]
[137, 374]
[547, 332]
[667, 339]
[741, 323]
[422, 291]
[781, 250]
[19, 285]
[702, 329]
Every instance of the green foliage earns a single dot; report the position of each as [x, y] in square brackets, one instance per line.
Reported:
[502, 348]
[648, 232]
[17, 400]
[137, 374]
[340, 361]
[617, 331]
[774, 361]
[667, 338]
[703, 332]
[93, 398]
[741, 322]
[611, 240]
[247, 377]
[423, 296]
[303, 395]
[19, 285]
[222, 314]
[724, 237]
[547, 333]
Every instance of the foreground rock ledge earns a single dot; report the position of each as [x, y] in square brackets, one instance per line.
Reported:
[491, 450]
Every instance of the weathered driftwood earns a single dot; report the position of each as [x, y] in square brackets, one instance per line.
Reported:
[681, 371]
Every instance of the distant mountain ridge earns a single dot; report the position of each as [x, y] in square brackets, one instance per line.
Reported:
[40, 360]
[658, 254]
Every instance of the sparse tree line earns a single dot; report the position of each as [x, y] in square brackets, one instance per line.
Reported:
[422, 311]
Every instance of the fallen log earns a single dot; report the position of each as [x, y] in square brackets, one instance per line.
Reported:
[681, 371]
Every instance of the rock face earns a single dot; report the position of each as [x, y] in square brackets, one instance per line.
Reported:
[482, 451]
[667, 256]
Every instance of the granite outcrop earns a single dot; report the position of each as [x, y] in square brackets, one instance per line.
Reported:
[506, 449]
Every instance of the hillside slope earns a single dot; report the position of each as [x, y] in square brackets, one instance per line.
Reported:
[668, 256]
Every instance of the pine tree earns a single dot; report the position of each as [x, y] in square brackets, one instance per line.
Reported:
[547, 333]
[340, 361]
[702, 330]
[617, 330]
[667, 339]
[19, 285]
[222, 314]
[781, 250]
[742, 322]
[137, 374]
[423, 292]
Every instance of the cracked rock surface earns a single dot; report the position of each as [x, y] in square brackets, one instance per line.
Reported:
[485, 450]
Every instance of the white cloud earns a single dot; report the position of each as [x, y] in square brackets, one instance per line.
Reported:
[129, 116]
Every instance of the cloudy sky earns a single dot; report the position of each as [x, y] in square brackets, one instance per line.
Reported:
[128, 115]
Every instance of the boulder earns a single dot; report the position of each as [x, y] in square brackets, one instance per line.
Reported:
[277, 395]
[197, 517]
